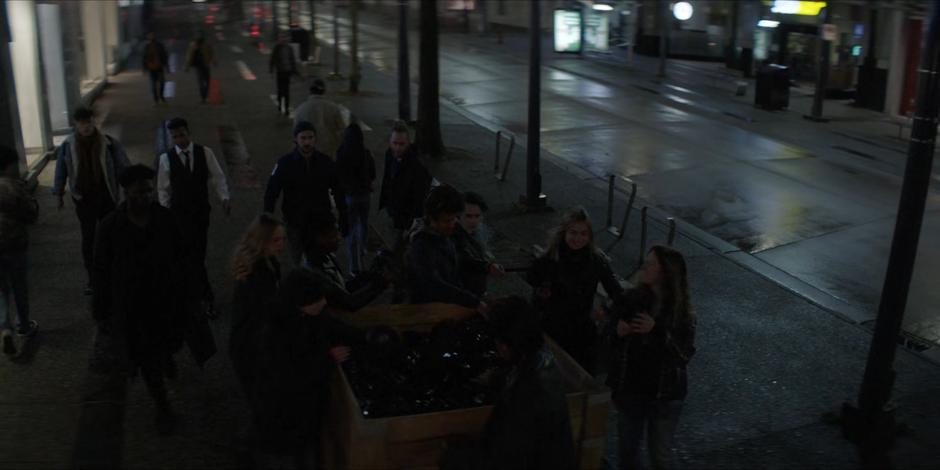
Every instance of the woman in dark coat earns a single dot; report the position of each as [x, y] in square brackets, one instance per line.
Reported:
[653, 334]
[565, 280]
[356, 169]
[299, 345]
[257, 273]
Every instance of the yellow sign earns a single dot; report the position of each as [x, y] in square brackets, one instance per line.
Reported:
[795, 7]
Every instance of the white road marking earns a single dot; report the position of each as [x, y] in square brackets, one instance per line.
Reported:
[244, 70]
[236, 49]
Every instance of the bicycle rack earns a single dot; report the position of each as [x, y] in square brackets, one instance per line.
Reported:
[501, 176]
[611, 188]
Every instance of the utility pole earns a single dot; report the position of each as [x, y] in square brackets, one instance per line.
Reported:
[872, 423]
[355, 75]
[428, 135]
[534, 199]
[822, 76]
[404, 69]
[313, 22]
[335, 75]
[663, 37]
[732, 55]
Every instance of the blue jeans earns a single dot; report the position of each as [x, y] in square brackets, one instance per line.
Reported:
[13, 281]
[357, 206]
[657, 419]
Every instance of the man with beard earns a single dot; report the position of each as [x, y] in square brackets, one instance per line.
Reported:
[307, 178]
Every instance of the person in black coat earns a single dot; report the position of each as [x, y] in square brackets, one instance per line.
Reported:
[474, 259]
[652, 330]
[405, 181]
[257, 274]
[306, 177]
[299, 344]
[322, 243]
[356, 168]
[431, 260]
[143, 286]
[565, 280]
[530, 427]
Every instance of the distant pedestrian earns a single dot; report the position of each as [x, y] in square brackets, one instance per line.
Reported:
[356, 168]
[530, 427]
[284, 65]
[155, 64]
[474, 258]
[565, 280]
[320, 258]
[257, 274]
[405, 181]
[311, 187]
[653, 333]
[90, 162]
[18, 209]
[184, 177]
[431, 259]
[300, 343]
[326, 116]
[201, 57]
[142, 287]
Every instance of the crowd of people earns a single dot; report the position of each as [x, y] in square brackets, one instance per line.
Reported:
[144, 234]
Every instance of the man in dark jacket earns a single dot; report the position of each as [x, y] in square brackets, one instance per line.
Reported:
[142, 286]
[17, 209]
[155, 64]
[322, 244]
[473, 256]
[307, 178]
[284, 65]
[431, 260]
[90, 162]
[405, 182]
[530, 428]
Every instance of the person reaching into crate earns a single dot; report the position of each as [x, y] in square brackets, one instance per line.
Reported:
[530, 427]
[298, 344]
[565, 280]
[653, 333]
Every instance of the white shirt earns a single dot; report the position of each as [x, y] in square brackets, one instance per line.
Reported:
[216, 176]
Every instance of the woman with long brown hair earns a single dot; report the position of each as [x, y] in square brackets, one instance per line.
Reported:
[565, 280]
[653, 335]
[257, 273]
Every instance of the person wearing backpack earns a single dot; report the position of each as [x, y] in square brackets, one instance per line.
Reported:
[200, 57]
[91, 163]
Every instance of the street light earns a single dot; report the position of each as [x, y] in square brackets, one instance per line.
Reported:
[602, 7]
[768, 24]
[682, 10]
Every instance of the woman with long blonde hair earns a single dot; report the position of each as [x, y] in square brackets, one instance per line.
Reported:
[257, 273]
[565, 280]
[653, 338]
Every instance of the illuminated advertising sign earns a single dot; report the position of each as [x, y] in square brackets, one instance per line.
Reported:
[597, 31]
[796, 7]
[567, 30]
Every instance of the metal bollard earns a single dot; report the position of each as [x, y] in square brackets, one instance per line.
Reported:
[501, 176]
[626, 214]
[642, 237]
[610, 201]
[672, 231]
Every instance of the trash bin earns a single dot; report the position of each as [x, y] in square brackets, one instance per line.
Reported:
[772, 90]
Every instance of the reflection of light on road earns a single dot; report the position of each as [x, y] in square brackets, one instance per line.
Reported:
[677, 99]
[679, 88]
[236, 49]
[244, 70]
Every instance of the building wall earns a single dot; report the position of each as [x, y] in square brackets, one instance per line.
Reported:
[93, 35]
[24, 51]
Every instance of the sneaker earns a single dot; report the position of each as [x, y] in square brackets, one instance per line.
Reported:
[29, 330]
[8, 347]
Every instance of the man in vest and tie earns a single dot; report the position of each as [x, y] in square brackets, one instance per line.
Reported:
[186, 172]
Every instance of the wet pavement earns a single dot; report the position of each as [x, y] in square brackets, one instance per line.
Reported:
[770, 184]
[769, 362]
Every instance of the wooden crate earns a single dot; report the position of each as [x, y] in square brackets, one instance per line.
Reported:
[351, 441]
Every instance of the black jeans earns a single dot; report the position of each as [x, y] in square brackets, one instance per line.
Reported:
[157, 82]
[203, 76]
[654, 420]
[90, 212]
[283, 90]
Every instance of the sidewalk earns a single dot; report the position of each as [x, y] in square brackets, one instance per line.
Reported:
[769, 363]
